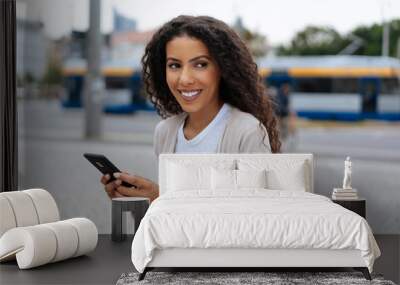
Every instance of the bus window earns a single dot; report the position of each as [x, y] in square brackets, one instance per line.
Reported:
[74, 88]
[390, 86]
[345, 85]
[118, 91]
[369, 88]
[117, 82]
[313, 85]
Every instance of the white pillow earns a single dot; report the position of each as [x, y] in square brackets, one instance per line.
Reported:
[292, 178]
[223, 179]
[181, 177]
[251, 178]
[281, 174]
[193, 174]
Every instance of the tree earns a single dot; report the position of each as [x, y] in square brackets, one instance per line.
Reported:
[51, 83]
[372, 35]
[315, 40]
[256, 42]
[325, 41]
[53, 74]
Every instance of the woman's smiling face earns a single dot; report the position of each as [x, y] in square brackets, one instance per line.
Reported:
[193, 76]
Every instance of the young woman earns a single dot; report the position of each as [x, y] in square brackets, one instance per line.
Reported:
[203, 81]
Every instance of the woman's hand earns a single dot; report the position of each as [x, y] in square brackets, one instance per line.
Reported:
[144, 187]
[110, 187]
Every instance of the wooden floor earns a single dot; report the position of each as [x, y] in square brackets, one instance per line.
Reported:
[110, 260]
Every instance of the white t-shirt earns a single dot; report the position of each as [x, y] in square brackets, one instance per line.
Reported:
[208, 139]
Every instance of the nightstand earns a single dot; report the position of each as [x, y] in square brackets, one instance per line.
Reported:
[358, 206]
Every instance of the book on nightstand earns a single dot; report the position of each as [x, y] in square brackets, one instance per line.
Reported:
[344, 194]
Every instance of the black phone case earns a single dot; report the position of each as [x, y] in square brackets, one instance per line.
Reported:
[105, 166]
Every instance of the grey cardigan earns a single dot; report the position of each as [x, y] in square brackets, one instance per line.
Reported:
[243, 134]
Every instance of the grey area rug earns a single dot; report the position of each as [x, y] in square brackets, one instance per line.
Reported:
[269, 278]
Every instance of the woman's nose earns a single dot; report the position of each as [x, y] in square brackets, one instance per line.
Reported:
[186, 77]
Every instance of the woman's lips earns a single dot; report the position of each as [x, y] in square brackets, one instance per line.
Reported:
[190, 96]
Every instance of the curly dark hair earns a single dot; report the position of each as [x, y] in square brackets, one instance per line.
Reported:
[240, 85]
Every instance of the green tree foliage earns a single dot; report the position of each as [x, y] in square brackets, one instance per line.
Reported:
[315, 40]
[326, 41]
[372, 35]
[53, 74]
[256, 42]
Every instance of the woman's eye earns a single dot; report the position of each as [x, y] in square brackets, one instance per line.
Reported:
[201, 64]
[173, 65]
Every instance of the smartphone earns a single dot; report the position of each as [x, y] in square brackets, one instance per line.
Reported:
[105, 166]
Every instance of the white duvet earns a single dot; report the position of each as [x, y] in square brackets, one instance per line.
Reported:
[252, 218]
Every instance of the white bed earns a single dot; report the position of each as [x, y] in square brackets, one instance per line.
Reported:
[214, 211]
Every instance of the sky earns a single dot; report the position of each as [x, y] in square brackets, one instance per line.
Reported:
[278, 20]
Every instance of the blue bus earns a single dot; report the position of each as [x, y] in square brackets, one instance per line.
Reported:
[124, 92]
[338, 87]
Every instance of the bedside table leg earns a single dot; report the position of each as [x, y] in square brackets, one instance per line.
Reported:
[116, 222]
[139, 212]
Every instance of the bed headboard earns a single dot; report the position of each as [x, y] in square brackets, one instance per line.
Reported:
[280, 163]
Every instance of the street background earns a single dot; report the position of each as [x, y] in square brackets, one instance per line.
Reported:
[76, 59]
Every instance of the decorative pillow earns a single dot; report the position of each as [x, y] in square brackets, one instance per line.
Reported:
[181, 177]
[223, 179]
[251, 178]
